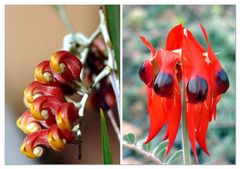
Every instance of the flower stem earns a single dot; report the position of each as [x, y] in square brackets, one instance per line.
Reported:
[185, 142]
[144, 153]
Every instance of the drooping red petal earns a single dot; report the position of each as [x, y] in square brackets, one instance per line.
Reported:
[173, 120]
[148, 44]
[190, 109]
[202, 128]
[156, 115]
[167, 87]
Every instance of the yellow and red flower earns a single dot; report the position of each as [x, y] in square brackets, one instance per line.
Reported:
[50, 119]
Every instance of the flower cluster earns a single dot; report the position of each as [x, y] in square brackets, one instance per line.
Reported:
[204, 81]
[49, 119]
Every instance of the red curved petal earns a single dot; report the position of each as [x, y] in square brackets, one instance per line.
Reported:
[66, 115]
[44, 74]
[66, 64]
[49, 104]
[35, 89]
[28, 124]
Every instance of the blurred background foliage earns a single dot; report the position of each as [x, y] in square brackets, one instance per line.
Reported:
[154, 22]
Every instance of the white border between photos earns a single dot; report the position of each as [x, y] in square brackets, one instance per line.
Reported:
[122, 3]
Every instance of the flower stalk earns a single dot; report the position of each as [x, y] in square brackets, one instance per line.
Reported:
[144, 153]
[185, 142]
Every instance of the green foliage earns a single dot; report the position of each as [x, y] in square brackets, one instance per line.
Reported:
[106, 150]
[130, 138]
[146, 147]
[162, 153]
[175, 156]
[113, 21]
[149, 149]
[160, 147]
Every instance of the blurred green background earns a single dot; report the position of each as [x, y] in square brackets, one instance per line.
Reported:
[154, 22]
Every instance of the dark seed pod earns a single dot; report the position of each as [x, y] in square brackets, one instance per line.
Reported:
[163, 84]
[197, 90]
[146, 73]
[222, 82]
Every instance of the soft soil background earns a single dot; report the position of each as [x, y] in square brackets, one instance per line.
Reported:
[154, 22]
[32, 34]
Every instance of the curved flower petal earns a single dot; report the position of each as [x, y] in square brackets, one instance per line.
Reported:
[44, 74]
[66, 64]
[27, 123]
[31, 146]
[51, 138]
[66, 115]
[36, 89]
[45, 107]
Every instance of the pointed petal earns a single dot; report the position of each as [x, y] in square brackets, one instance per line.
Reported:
[174, 38]
[191, 127]
[156, 115]
[148, 44]
[202, 128]
[173, 121]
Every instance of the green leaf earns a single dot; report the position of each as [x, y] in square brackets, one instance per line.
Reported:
[145, 147]
[129, 138]
[160, 147]
[106, 151]
[162, 153]
[113, 21]
[175, 156]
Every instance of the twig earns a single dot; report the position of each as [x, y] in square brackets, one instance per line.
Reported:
[111, 60]
[65, 19]
[114, 124]
[144, 153]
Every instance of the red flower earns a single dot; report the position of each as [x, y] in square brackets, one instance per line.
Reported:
[204, 81]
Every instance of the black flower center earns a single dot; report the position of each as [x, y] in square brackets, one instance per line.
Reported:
[197, 89]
